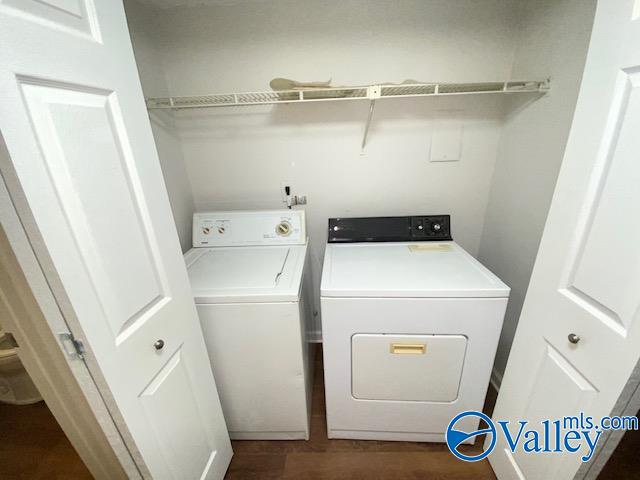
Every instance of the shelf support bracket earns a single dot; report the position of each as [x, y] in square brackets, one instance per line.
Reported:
[373, 93]
[366, 127]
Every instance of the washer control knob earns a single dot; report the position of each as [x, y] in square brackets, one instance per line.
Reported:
[283, 229]
[436, 227]
[220, 230]
[206, 230]
[573, 338]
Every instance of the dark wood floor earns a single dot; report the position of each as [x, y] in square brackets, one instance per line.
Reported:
[624, 463]
[34, 447]
[321, 458]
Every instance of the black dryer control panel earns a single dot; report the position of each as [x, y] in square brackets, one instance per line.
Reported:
[390, 229]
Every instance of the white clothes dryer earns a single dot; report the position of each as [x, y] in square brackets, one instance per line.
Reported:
[410, 325]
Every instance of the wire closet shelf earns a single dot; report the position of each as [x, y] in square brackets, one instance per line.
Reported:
[372, 92]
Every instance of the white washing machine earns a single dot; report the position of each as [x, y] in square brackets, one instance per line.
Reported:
[410, 325]
[249, 282]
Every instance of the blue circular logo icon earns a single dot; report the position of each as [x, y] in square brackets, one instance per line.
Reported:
[455, 438]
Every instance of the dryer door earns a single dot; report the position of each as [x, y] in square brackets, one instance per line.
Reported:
[423, 368]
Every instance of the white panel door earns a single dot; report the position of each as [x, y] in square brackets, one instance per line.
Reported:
[86, 180]
[586, 280]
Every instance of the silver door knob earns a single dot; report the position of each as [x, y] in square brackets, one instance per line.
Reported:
[158, 344]
[573, 338]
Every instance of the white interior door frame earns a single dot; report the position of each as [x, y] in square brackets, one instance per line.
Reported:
[31, 314]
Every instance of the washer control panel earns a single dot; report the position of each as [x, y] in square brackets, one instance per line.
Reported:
[268, 227]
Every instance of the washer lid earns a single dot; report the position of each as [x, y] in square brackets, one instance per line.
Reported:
[406, 269]
[245, 274]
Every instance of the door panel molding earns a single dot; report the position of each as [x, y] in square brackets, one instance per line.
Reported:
[75, 17]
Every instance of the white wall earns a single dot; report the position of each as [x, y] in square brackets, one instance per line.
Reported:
[143, 26]
[237, 157]
[552, 41]
[242, 45]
